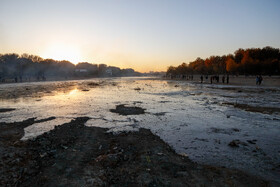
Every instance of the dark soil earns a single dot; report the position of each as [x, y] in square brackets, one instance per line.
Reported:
[125, 110]
[2, 110]
[75, 155]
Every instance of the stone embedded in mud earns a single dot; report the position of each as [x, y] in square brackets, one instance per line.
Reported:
[124, 110]
[236, 143]
[159, 114]
[252, 141]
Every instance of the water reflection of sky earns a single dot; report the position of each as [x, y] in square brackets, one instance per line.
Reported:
[189, 117]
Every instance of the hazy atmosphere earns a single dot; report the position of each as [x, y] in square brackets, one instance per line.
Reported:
[143, 35]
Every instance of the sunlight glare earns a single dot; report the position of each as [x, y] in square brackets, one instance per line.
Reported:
[73, 92]
[63, 52]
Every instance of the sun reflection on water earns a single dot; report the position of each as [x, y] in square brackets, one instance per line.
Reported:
[73, 92]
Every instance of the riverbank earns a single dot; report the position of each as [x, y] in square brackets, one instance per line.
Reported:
[75, 155]
[268, 81]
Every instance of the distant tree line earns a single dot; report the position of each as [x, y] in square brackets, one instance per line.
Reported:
[27, 67]
[251, 61]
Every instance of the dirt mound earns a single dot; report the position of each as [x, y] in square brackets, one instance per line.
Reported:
[125, 110]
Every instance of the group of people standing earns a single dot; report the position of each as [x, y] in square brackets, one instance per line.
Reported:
[224, 79]
[216, 78]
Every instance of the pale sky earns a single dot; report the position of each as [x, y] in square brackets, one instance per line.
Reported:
[141, 34]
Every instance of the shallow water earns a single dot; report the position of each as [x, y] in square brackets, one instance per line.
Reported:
[190, 117]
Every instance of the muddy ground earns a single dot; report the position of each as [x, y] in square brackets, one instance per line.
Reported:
[40, 89]
[75, 155]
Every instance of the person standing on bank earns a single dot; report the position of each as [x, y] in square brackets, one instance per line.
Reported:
[227, 79]
[257, 80]
[223, 79]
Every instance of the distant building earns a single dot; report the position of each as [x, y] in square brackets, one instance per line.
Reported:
[81, 70]
[109, 71]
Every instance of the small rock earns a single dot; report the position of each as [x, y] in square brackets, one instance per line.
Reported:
[183, 154]
[251, 141]
[64, 147]
[43, 155]
[236, 130]
[234, 143]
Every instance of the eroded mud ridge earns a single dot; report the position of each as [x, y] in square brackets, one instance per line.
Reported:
[2, 110]
[260, 109]
[75, 155]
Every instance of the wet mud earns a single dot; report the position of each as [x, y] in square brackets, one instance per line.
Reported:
[75, 155]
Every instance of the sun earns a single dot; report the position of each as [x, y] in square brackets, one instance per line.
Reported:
[63, 52]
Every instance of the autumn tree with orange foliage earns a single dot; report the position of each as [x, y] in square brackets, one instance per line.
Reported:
[251, 61]
[231, 65]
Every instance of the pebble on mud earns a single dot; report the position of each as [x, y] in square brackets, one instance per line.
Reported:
[236, 143]
[252, 141]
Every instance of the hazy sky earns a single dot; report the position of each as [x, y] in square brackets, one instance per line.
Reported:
[141, 34]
